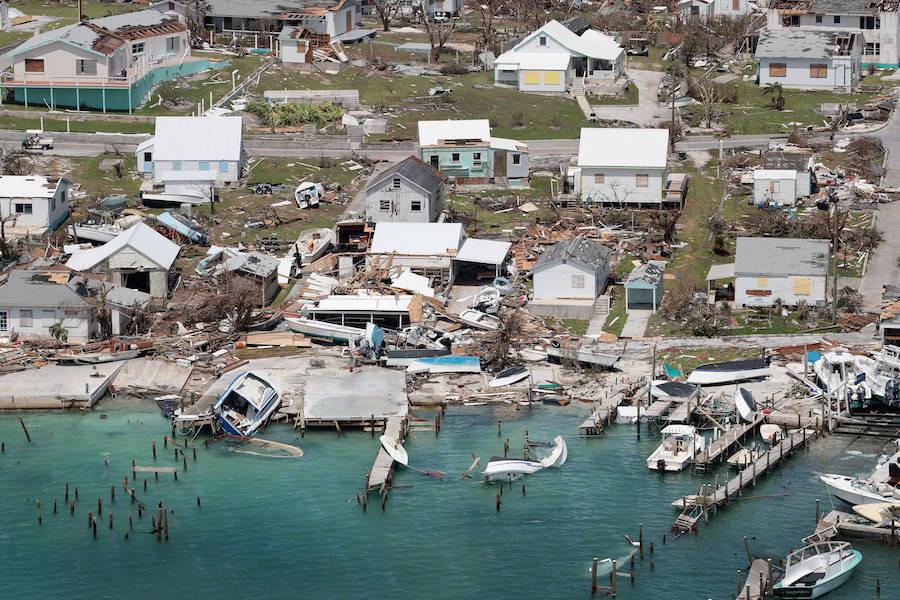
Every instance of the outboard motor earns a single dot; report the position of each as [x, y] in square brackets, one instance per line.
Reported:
[661, 465]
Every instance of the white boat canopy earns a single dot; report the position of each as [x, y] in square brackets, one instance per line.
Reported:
[678, 430]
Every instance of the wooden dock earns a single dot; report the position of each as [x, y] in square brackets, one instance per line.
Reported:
[757, 585]
[656, 410]
[707, 502]
[849, 526]
[601, 416]
[382, 472]
[717, 450]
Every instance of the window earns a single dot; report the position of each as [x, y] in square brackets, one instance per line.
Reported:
[543, 40]
[223, 166]
[172, 45]
[396, 183]
[4, 320]
[872, 49]
[48, 318]
[415, 206]
[735, 4]
[641, 180]
[476, 159]
[455, 157]
[870, 22]
[577, 282]
[777, 69]
[23, 209]
[517, 159]
[790, 21]
[818, 71]
[137, 48]
[64, 197]
[599, 178]
[384, 205]
[837, 19]
[86, 67]
[433, 160]
[34, 65]
[148, 157]
[176, 165]
[26, 318]
[818, 19]
[70, 317]
[203, 165]
[52, 204]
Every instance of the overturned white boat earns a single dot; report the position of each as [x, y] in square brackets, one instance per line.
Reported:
[509, 376]
[745, 405]
[680, 445]
[479, 320]
[510, 469]
[729, 372]
[247, 404]
[323, 330]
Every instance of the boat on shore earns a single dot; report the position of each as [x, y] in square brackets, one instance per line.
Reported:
[509, 376]
[745, 405]
[885, 514]
[323, 330]
[403, 357]
[681, 443]
[312, 245]
[733, 371]
[445, 364]
[247, 404]
[479, 320]
[585, 354]
[817, 569]
[394, 449]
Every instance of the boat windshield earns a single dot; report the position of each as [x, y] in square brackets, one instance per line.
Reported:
[817, 549]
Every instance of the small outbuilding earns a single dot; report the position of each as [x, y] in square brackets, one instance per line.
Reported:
[408, 192]
[644, 287]
[775, 187]
[801, 163]
[261, 270]
[33, 204]
[31, 303]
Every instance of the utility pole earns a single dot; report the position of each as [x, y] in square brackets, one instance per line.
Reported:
[834, 250]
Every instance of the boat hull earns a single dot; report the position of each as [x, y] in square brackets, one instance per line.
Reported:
[729, 372]
[823, 587]
[841, 487]
[321, 329]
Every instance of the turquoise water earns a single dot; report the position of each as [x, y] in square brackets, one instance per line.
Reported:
[284, 528]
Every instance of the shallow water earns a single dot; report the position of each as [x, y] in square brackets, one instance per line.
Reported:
[292, 528]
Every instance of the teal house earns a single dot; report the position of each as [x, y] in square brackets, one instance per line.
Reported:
[109, 64]
[466, 153]
[644, 287]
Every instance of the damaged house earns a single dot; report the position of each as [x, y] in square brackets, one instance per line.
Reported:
[568, 277]
[810, 60]
[408, 192]
[261, 270]
[33, 204]
[767, 269]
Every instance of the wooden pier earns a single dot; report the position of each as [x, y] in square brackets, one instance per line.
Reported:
[656, 410]
[757, 585]
[382, 473]
[717, 450]
[850, 527]
[707, 502]
[601, 416]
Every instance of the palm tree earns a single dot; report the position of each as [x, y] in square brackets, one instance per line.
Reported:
[777, 94]
[59, 332]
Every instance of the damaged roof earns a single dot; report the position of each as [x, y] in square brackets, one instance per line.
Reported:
[590, 253]
[649, 273]
[28, 288]
[796, 43]
[845, 7]
[795, 161]
[28, 186]
[411, 168]
[780, 256]
[253, 263]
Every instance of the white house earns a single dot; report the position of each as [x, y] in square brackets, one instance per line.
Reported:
[409, 192]
[767, 269]
[196, 145]
[801, 163]
[31, 303]
[436, 9]
[553, 58]
[328, 20]
[622, 167]
[575, 268]
[774, 187]
[876, 20]
[703, 10]
[802, 59]
[138, 258]
[39, 204]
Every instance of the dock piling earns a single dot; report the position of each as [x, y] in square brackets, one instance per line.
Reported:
[112, 493]
[67, 493]
[818, 513]
[37, 507]
[25, 429]
[593, 576]
[154, 449]
[54, 506]
[641, 539]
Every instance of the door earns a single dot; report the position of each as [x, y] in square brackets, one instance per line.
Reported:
[433, 161]
[499, 160]
[349, 20]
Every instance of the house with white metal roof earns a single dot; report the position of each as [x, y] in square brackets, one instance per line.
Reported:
[465, 152]
[138, 258]
[810, 60]
[554, 57]
[622, 167]
[767, 269]
[33, 204]
[192, 148]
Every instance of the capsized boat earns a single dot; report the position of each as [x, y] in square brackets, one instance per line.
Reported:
[681, 443]
[732, 371]
[745, 405]
[479, 320]
[394, 449]
[559, 454]
[771, 433]
[744, 457]
[509, 469]
[817, 569]
[247, 404]
[509, 376]
[312, 245]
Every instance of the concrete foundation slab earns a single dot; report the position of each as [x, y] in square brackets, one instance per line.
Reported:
[151, 375]
[56, 386]
[339, 395]
[563, 309]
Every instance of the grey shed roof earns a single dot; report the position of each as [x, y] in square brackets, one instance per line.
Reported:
[413, 169]
[780, 256]
[650, 274]
[254, 263]
[794, 43]
[587, 252]
[844, 7]
[28, 289]
[787, 161]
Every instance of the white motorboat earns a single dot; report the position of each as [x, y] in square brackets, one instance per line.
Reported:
[771, 433]
[312, 245]
[882, 373]
[479, 320]
[744, 457]
[324, 330]
[626, 414]
[881, 513]
[509, 469]
[394, 449]
[247, 404]
[487, 300]
[839, 374]
[729, 372]
[817, 569]
[856, 490]
[681, 443]
[509, 376]
[531, 354]
[745, 405]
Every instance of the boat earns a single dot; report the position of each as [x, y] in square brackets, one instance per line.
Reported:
[445, 364]
[817, 569]
[403, 357]
[394, 449]
[265, 320]
[247, 404]
[881, 513]
[479, 320]
[312, 245]
[771, 433]
[173, 200]
[681, 443]
[559, 454]
[509, 469]
[744, 457]
[531, 354]
[509, 376]
[323, 330]
[502, 285]
[184, 227]
[627, 414]
[586, 355]
[114, 203]
[487, 300]
[95, 232]
[729, 372]
[840, 375]
[745, 405]
[858, 490]
[308, 194]
[555, 400]
[882, 376]
[97, 358]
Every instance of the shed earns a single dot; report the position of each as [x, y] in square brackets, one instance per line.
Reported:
[194, 144]
[801, 162]
[644, 287]
[790, 269]
[259, 269]
[576, 268]
[774, 187]
[477, 253]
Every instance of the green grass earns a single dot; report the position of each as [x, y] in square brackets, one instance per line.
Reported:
[653, 62]
[617, 316]
[69, 10]
[11, 37]
[98, 183]
[463, 202]
[749, 323]
[578, 327]
[20, 123]
[282, 294]
[631, 97]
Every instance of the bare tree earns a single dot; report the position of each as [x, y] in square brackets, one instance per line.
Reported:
[15, 162]
[195, 17]
[503, 339]
[488, 11]
[710, 97]
[387, 10]
[438, 31]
